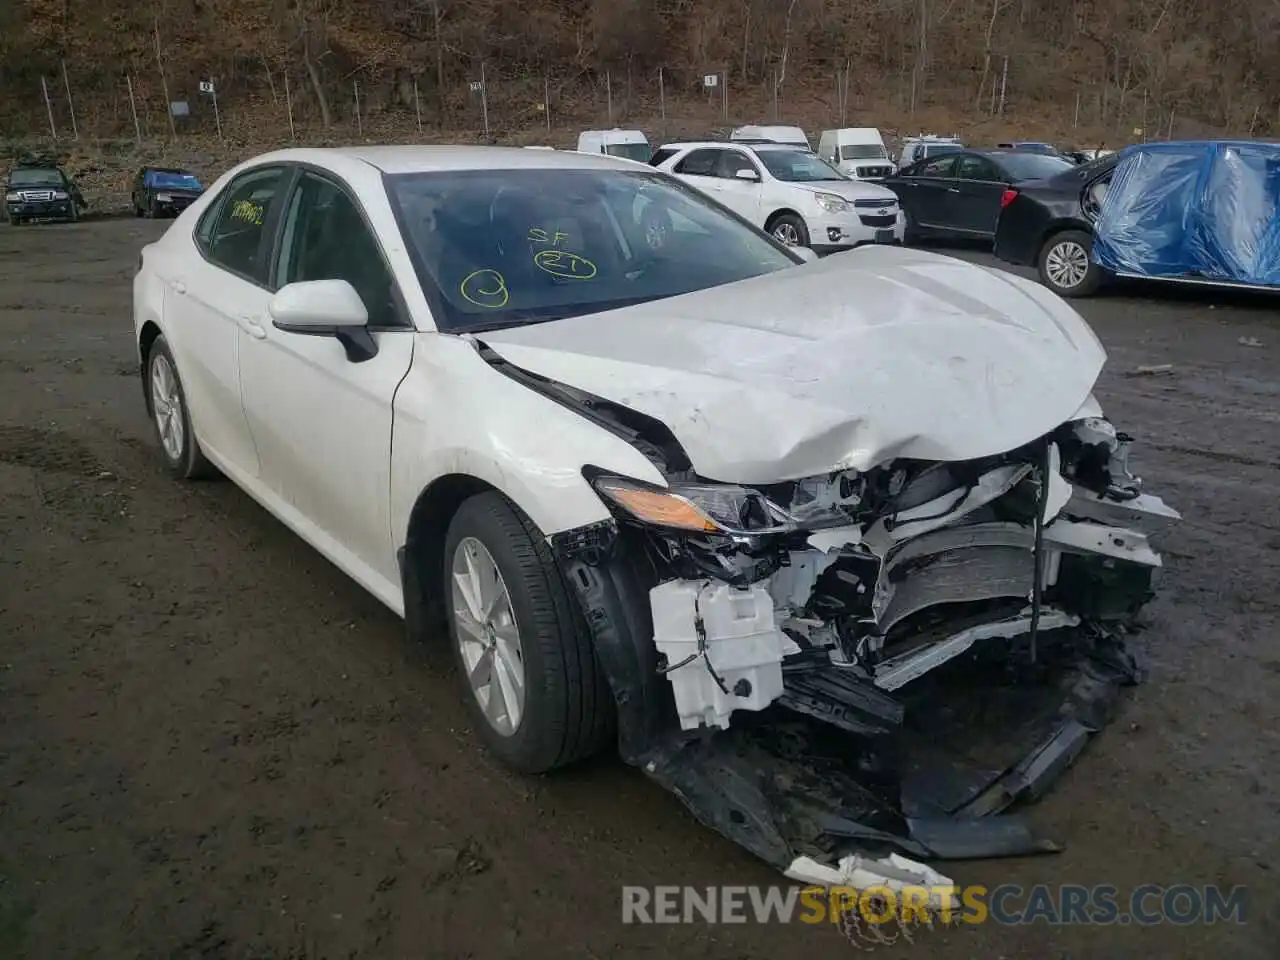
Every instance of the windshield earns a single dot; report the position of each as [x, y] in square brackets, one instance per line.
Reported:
[862, 151]
[630, 151]
[796, 166]
[1034, 166]
[499, 248]
[174, 180]
[34, 177]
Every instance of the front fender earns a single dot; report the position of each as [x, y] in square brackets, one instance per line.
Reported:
[456, 415]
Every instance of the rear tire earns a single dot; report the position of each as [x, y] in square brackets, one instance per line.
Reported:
[150, 208]
[171, 417]
[1066, 264]
[565, 708]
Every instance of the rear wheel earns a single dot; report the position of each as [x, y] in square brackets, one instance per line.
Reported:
[1066, 267]
[789, 230]
[167, 403]
[151, 208]
[533, 686]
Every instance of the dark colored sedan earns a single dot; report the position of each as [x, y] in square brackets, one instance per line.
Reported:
[164, 191]
[1049, 225]
[959, 195]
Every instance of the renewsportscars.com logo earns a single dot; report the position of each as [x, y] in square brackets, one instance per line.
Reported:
[1008, 904]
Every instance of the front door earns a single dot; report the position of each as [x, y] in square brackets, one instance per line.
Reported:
[929, 192]
[740, 196]
[321, 422]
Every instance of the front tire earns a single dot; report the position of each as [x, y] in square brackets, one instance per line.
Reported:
[534, 688]
[1066, 266]
[789, 230]
[170, 416]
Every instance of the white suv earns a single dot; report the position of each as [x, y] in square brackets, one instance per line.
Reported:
[791, 193]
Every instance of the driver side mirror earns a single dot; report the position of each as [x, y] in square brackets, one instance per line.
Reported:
[745, 174]
[807, 254]
[325, 308]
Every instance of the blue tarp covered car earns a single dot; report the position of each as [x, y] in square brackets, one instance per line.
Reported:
[1206, 211]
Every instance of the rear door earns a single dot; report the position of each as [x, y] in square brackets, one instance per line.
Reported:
[206, 300]
[321, 422]
[977, 204]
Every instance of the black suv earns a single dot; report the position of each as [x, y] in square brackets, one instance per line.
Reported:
[1049, 224]
[41, 191]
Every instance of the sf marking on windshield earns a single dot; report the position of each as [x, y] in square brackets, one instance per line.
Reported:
[1006, 905]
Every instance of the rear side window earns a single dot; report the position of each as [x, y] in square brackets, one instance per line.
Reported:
[232, 233]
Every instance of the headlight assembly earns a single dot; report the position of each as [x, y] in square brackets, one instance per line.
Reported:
[832, 203]
[695, 507]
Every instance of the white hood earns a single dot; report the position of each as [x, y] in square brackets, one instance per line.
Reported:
[845, 363]
[851, 190]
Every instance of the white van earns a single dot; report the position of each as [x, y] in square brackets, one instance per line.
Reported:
[927, 145]
[857, 152]
[627, 144]
[791, 136]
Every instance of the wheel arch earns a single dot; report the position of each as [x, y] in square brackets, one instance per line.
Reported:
[421, 556]
[149, 333]
[1060, 225]
[783, 212]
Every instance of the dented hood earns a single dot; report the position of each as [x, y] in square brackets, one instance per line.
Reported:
[846, 363]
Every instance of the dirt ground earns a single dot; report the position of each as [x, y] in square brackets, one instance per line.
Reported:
[212, 744]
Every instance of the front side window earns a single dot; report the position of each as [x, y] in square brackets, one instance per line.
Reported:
[797, 166]
[699, 163]
[731, 161]
[233, 236]
[324, 237]
[942, 167]
[630, 151]
[938, 149]
[499, 248]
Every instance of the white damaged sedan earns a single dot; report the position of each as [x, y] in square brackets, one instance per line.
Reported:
[786, 532]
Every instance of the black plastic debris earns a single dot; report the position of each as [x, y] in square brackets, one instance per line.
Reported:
[839, 767]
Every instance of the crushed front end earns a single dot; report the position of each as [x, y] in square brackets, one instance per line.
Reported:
[832, 669]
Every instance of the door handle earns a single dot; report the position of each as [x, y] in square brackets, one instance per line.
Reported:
[953, 189]
[252, 327]
[178, 286]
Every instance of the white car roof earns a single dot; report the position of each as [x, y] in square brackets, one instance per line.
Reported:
[425, 159]
[736, 144]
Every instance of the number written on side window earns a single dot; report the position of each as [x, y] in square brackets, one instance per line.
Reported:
[235, 238]
[326, 238]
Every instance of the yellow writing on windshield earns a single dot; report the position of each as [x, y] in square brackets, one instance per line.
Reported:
[538, 235]
[485, 288]
[247, 211]
[563, 264]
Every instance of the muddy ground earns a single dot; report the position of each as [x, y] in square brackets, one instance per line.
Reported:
[212, 744]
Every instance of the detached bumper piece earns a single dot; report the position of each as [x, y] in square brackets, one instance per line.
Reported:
[841, 772]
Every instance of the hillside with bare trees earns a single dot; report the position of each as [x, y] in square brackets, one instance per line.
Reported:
[1108, 65]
